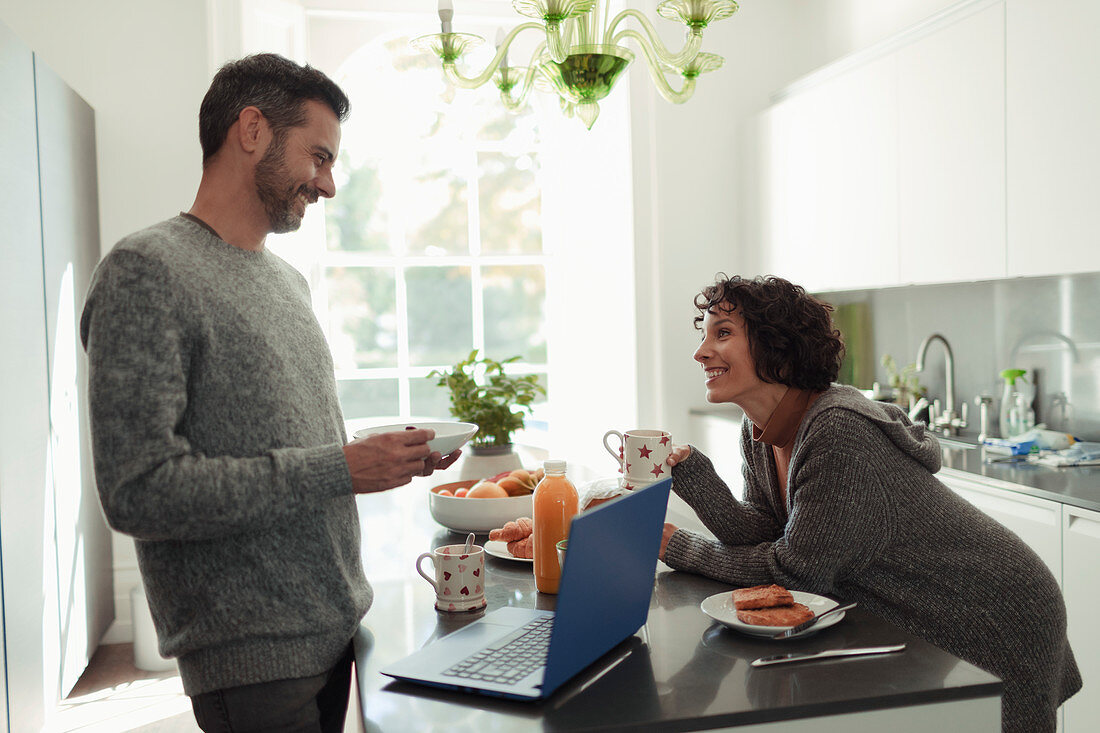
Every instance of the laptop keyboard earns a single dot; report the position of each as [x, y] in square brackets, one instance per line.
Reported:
[510, 659]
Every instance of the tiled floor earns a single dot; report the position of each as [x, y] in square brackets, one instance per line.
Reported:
[114, 696]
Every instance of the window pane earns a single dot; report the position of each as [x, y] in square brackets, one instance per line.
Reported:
[440, 315]
[515, 304]
[509, 202]
[362, 316]
[437, 210]
[356, 219]
[426, 399]
[361, 398]
[535, 423]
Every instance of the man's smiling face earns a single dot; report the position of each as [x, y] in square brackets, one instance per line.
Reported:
[296, 168]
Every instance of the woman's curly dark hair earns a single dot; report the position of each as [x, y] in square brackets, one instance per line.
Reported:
[791, 334]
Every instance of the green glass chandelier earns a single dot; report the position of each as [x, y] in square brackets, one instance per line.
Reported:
[583, 54]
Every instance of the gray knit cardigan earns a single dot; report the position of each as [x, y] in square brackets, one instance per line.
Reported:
[867, 520]
[217, 438]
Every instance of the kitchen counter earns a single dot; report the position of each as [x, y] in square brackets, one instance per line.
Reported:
[682, 671]
[1075, 485]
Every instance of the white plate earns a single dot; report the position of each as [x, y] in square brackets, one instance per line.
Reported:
[496, 548]
[720, 608]
[449, 435]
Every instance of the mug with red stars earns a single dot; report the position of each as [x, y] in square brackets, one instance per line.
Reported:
[459, 577]
[642, 455]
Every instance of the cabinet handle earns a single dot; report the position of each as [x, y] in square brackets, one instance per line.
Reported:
[1083, 525]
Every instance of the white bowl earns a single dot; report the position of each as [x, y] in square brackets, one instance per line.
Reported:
[449, 436]
[475, 515]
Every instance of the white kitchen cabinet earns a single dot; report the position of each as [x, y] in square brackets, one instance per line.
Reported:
[1038, 522]
[951, 119]
[1053, 113]
[69, 251]
[886, 165]
[832, 197]
[1081, 587]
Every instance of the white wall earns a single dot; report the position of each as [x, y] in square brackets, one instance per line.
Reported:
[696, 184]
[143, 67]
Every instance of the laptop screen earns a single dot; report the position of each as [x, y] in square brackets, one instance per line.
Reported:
[607, 581]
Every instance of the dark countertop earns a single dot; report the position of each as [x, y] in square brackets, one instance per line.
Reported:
[1075, 485]
[682, 671]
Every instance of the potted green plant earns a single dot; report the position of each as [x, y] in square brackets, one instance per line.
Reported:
[904, 381]
[483, 393]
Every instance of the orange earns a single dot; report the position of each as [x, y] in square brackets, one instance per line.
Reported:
[486, 490]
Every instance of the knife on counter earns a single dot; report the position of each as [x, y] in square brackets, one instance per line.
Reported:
[827, 654]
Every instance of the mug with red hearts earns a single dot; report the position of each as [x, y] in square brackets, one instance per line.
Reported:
[459, 577]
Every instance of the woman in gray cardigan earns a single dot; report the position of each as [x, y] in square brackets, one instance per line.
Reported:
[841, 499]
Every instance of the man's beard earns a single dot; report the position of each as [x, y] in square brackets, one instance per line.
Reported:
[277, 194]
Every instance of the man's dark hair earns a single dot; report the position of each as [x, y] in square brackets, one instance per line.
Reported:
[277, 86]
[791, 334]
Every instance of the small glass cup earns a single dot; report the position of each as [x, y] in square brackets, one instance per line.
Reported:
[561, 552]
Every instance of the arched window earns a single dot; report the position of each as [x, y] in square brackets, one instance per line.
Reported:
[434, 242]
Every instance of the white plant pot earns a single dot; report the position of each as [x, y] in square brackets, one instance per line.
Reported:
[486, 462]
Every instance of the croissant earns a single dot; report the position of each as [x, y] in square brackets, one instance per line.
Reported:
[513, 531]
[523, 548]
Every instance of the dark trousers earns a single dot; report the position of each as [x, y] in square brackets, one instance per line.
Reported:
[305, 705]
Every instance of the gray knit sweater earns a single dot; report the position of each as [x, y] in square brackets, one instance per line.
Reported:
[217, 441]
[866, 520]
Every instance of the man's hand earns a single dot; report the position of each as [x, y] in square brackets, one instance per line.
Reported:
[387, 460]
[439, 462]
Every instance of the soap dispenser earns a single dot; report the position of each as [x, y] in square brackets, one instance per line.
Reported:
[1017, 415]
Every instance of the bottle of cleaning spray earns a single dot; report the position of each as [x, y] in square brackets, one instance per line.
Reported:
[1017, 415]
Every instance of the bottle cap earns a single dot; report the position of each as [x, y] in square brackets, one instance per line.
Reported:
[1011, 375]
[555, 465]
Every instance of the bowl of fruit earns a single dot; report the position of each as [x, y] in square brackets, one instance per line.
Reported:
[484, 504]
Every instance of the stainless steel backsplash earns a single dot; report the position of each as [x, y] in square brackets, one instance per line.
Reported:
[1049, 326]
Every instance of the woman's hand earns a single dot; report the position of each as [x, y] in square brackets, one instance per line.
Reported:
[666, 535]
[678, 454]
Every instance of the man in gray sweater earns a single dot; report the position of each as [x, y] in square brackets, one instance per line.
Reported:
[218, 439]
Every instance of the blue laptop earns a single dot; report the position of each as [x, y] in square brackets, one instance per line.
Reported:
[604, 597]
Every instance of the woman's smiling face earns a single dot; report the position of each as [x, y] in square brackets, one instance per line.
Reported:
[726, 357]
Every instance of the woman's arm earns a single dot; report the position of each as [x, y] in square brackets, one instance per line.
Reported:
[733, 522]
[840, 521]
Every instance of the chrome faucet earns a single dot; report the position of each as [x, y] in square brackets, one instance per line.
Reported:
[949, 421]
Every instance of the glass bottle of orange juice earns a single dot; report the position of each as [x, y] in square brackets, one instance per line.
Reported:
[554, 504]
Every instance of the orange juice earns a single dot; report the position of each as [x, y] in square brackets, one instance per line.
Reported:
[554, 504]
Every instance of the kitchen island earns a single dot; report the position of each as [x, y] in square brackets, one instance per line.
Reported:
[681, 671]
